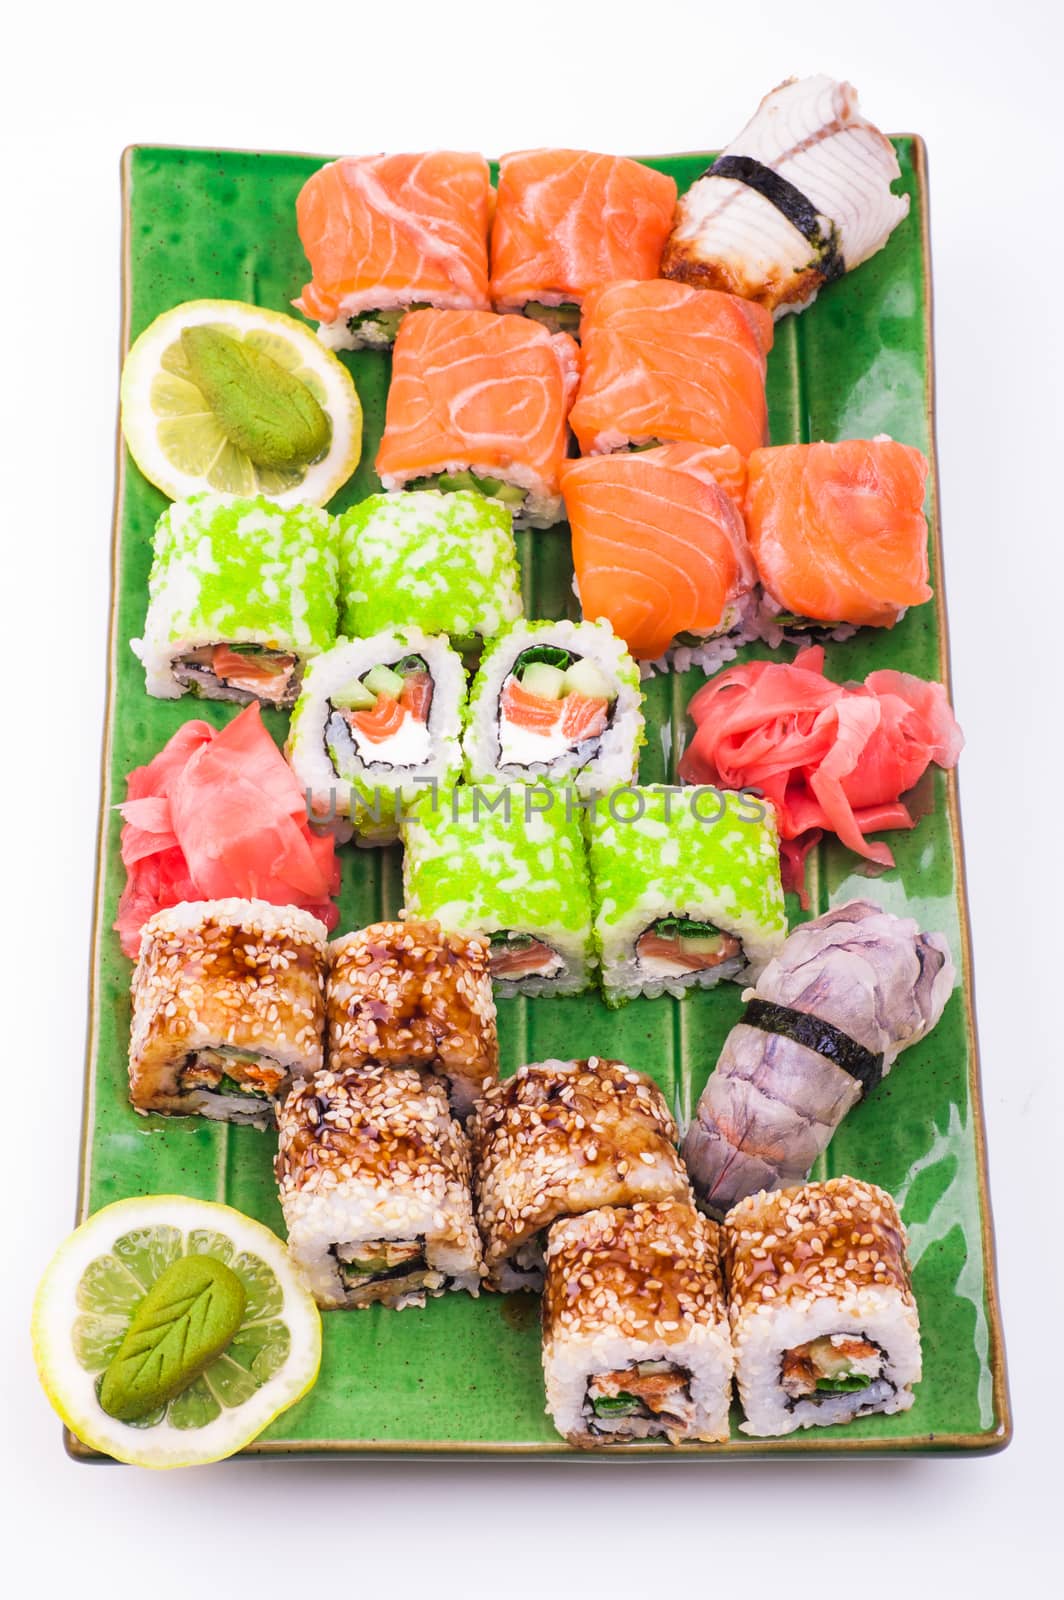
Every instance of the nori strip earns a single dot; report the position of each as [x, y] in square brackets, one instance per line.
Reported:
[791, 202]
[816, 1034]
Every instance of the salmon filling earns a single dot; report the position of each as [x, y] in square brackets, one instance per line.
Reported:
[522, 955]
[553, 703]
[674, 946]
[382, 718]
[241, 672]
[838, 1363]
[646, 1398]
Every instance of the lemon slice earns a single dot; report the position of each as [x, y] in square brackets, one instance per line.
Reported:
[179, 443]
[100, 1275]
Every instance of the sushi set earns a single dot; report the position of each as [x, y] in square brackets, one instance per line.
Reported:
[530, 918]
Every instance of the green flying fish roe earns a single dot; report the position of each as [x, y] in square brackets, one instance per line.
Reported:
[709, 854]
[445, 563]
[489, 857]
[246, 571]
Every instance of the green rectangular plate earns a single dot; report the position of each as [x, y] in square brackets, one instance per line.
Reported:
[463, 1376]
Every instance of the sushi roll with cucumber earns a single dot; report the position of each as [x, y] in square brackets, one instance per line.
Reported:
[568, 220]
[385, 234]
[376, 721]
[228, 1006]
[242, 594]
[557, 702]
[635, 1328]
[374, 1184]
[824, 1321]
[409, 994]
[506, 861]
[687, 889]
[560, 1138]
[446, 563]
[481, 402]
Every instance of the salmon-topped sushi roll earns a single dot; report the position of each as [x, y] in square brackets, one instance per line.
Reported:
[662, 362]
[480, 402]
[660, 551]
[570, 220]
[386, 233]
[838, 531]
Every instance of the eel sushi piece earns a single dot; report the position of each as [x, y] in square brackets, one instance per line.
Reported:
[373, 1174]
[636, 1342]
[242, 594]
[567, 221]
[800, 197]
[445, 563]
[507, 861]
[824, 1322]
[825, 1022]
[228, 1007]
[560, 1138]
[663, 362]
[376, 720]
[408, 994]
[554, 702]
[838, 532]
[479, 401]
[660, 551]
[386, 233]
[686, 887]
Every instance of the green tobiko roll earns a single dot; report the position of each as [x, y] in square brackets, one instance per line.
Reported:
[687, 888]
[242, 594]
[445, 563]
[507, 861]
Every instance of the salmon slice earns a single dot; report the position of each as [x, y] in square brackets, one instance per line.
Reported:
[569, 220]
[388, 230]
[264, 676]
[583, 717]
[658, 546]
[838, 530]
[382, 722]
[474, 390]
[416, 695]
[663, 361]
[532, 711]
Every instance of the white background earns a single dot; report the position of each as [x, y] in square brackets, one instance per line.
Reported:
[982, 83]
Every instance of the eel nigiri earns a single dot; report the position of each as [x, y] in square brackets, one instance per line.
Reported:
[800, 197]
[665, 362]
[659, 548]
[384, 233]
[838, 531]
[569, 220]
[825, 1022]
[479, 401]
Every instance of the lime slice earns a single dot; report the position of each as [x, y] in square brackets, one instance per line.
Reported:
[178, 442]
[100, 1275]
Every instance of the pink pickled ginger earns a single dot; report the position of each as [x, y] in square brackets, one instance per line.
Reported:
[219, 814]
[831, 757]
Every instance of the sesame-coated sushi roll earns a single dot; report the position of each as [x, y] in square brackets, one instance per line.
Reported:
[635, 1328]
[374, 1181]
[408, 994]
[509, 862]
[446, 563]
[824, 1321]
[556, 702]
[242, 594]
[687, 889]
[228, 1005]
[376, 720]
[559, 1138]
